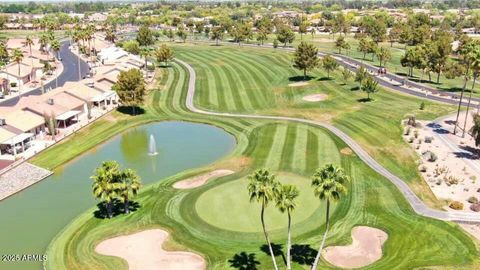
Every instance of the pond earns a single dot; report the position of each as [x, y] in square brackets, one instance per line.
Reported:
[30, 219]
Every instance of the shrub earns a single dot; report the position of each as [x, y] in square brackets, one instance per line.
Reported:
[456, 205]
[475, 207]
[407, 131]
[428, 139]
[411, 139]
[415, 133]
[275, 43]
[13, 84]
[472, 199]
[422, 168]
[430, 156]
[422, 106]
[451, 180]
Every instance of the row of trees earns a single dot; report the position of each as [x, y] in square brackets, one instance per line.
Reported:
[329, 184]
[111, 183]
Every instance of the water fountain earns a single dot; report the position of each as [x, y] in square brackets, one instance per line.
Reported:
[152, 146]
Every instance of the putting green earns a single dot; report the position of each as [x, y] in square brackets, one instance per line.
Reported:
[227, 206]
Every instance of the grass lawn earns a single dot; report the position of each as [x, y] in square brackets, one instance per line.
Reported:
[232, 79]
[326, 43]
[292, 151]
[7, 34]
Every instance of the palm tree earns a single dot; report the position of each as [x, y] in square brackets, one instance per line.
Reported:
[76, 38]
[55, 45]
[104, 186]
[285, 197]
[17, 56]
[329, 183]
[145, 53]
[43, 42]
[262, 188]
[4, 57]
[128, 185]
[467, 53]
[29, 42]
[475, 67]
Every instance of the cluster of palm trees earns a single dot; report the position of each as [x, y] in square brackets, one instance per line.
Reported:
[84, 37]
[110, 183]
[329, 184]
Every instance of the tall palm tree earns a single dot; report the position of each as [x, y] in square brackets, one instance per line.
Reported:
[467, 54]
[104, 186]
[4, 57]
[43, 42]
[76, 38]
[145, 53]
[262, 188]
[17, 56]
[29, 42]
[329, 183]
[475, 67]
[128, 185]
[285, 198]
[55, 45]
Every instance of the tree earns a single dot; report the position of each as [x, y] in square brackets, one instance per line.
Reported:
[394, 34]
[181, 33]
[110, 35]
[475, 67]
[17, 57]
[55, 45]
[366, 46]
[414, 58]
[369, 86]
[217, 34]
[29, 42]
[164, 54]
[346, 75]
[305, 57]
[285, 202]
[302, 29]
[285, 35]
[104, 187]
[145, 36]
[475, 129]
[329, 64]
[262, 36]
[468, 54]
[132, 46]
[127, 185]
[145, 52]
[261, 188]
[360, 75]
[130, 87]
[383, 55]
[329, 184]
[340, 44]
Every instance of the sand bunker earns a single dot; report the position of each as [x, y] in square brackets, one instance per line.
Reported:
[346, 151]
[143, 250]
[366, 248]
[201, 179]
[315, 97]
[298, 84]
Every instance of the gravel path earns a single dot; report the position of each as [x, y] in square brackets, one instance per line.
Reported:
[21, 177]
[417, 205]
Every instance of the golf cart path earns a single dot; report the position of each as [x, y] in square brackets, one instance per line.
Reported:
[418, 206]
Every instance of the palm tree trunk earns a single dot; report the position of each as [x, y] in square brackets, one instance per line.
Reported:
[468, 107]
[289, 242]
[460, 101]
[317, 258]
[266, 236]
[127, 202]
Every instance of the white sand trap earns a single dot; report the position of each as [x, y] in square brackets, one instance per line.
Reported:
[201, 179]
[143, 250]
[366, 248]
[315, 97]
[298, 84]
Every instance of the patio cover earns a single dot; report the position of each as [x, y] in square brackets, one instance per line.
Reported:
[67, 115]
[18, 139]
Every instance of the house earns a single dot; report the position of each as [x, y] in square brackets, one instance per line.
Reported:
[12, 142]
[92, 95]
[19, 74]
[98, 17]
[25, 121]
[65, 107]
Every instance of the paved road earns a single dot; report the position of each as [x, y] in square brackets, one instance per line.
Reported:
[417, 205]
[70, 73]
